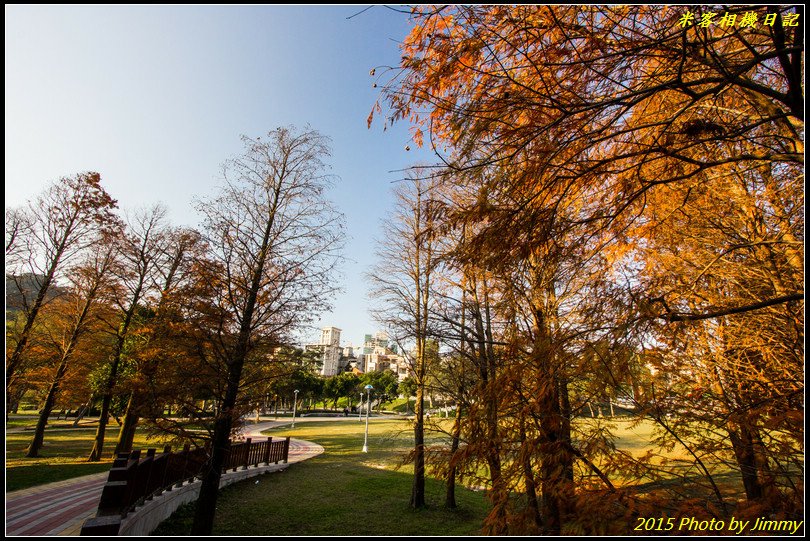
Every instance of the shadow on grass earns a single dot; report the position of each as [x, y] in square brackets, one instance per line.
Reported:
[341, 492]
[334, 497]
[21, 477]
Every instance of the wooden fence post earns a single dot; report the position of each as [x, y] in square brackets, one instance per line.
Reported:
[131, 476]
[286, 448]
[246, 456]
[186, 450]
[267, 450]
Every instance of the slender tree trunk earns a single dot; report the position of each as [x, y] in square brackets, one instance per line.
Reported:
[50, 400]
[450, 493]
[483, 354]
[552, 467]
[84, 410]
[500, 492]
[532, 503]
[207, 501]
[565, 421]
[743, 444]
[126, 435]
[98, 441]
[106, 399]
[418, 489]
[555, 456]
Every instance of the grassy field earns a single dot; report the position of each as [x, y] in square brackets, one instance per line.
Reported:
[341, 492]
[347, 492]
[63, 456]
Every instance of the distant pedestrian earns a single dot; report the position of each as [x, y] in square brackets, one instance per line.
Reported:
[345, 412]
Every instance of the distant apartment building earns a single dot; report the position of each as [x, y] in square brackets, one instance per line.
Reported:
[375, 342]
[330, 351]
[378, 355]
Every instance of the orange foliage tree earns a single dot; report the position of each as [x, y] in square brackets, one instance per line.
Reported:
[628, 176]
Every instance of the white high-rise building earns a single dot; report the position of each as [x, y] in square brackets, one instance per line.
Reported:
[330, 343]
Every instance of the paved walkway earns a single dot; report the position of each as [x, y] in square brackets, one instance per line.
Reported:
[61, 508]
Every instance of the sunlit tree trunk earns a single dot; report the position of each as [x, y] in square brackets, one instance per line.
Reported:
[455, 434]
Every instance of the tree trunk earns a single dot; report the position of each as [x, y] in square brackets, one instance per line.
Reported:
[551, 465]
[742, 441]
[450, 493]
[98, 442]
[418, 489]
[67, 354]
[106, 399]
[500, 492]
[84, 410]
[565, 416]
[50, 400]
[532, 504]
[556, 462]
[126, 436]
[209, 490]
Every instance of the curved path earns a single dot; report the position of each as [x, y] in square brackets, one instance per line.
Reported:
[61, 508]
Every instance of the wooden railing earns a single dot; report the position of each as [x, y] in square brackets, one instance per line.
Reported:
[133, 479]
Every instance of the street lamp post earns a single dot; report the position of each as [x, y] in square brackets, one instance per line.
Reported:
[295, 406]
[369, 387]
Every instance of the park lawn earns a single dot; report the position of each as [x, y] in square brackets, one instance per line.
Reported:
[63, 456]
[341, 492]
[20, 421]
[347, 492]
[331, 490]
[677, 471]
[30, 421]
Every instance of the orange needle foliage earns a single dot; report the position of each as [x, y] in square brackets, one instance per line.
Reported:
[634, 188]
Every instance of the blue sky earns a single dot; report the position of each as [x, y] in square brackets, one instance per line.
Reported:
[155, 99]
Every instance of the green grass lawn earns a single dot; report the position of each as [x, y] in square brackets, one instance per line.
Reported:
[341, 492]
[63, 456]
